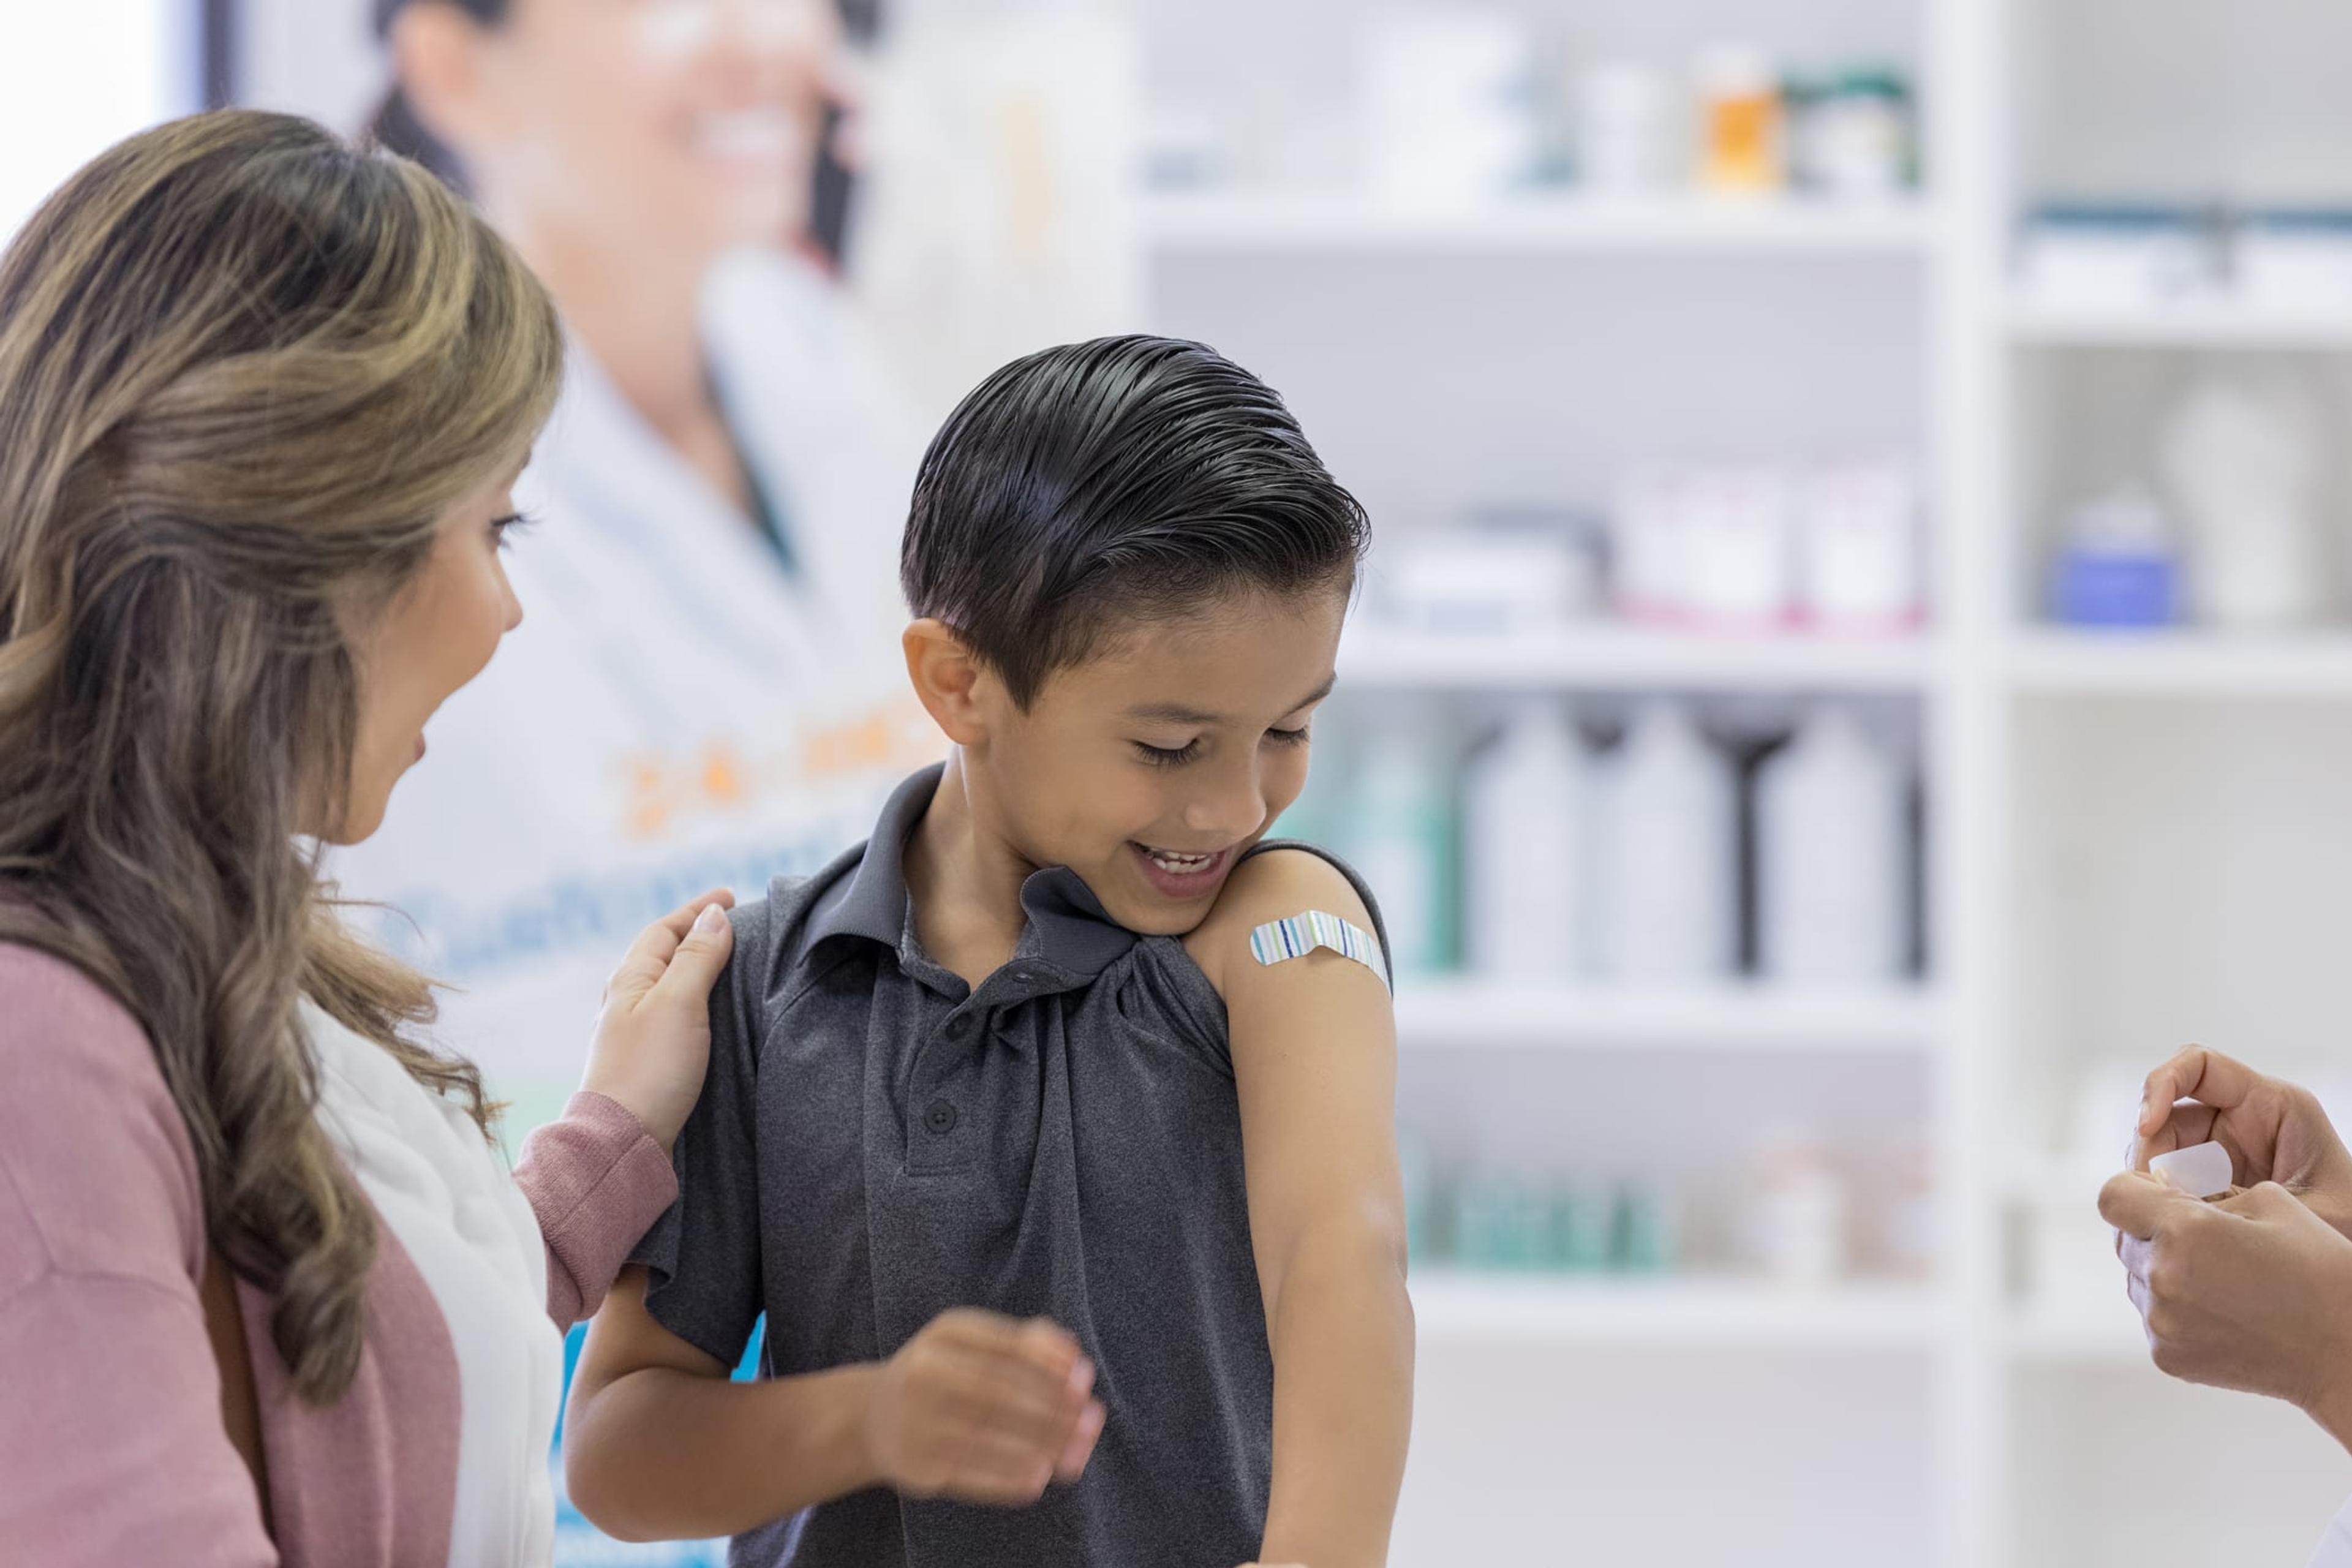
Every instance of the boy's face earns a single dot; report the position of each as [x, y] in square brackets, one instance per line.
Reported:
[1150, 768]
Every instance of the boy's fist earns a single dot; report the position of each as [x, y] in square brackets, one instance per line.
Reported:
[983, 1408]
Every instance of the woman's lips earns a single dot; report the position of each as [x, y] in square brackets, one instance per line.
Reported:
[1180, 876]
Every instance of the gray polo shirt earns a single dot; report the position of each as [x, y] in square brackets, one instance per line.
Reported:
[878, 1142]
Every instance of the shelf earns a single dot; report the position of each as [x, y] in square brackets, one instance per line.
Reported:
[1606, 656]
[2186, 324]
[1457, 1307]
[1459, 1012]
[2182, 664]
[1560, 221]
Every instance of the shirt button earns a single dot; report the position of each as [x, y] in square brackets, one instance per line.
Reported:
[960, 1027]
[940, 1119]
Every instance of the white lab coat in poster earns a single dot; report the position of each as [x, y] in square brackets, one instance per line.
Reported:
[678, 709]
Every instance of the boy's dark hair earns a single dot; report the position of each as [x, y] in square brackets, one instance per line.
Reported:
[1110, 482]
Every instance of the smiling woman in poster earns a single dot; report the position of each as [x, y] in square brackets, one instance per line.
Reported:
[711, 689]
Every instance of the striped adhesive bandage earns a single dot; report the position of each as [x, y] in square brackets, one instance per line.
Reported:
[1278, 941]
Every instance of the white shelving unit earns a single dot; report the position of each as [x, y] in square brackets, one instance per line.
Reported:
[1230, 223]
[2182, 664]
[1516, 352]
[1708, 1313]
[1605, 657]
[2182, 324]
[1468, 1014]
[1526, 349]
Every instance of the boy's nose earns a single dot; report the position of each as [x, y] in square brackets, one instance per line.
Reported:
[1230, 813]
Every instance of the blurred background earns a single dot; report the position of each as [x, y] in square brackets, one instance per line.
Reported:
[1858, 665]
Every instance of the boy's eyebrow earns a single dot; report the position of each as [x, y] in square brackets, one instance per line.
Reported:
[1177, 714]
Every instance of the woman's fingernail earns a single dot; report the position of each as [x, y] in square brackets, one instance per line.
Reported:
[1082, 1375]
[711, 920]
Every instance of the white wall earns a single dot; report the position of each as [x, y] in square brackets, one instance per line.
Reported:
[75, 79]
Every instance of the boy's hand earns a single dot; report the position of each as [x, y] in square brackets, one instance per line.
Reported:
[985, 1409]
[652, 1037]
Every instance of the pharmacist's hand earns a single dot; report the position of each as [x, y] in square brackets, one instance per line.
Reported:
[2274, 1131]
[652, 1037]
[2246, 1292]
[985, 1409]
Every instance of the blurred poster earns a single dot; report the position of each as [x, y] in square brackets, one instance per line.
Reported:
[872, 203]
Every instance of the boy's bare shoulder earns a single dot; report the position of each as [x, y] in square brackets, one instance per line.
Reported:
[1274, 886]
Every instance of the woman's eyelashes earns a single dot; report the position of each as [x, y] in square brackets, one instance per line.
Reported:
[1175, 756]
[504, 529]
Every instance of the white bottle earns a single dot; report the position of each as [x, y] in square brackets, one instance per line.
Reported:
[2244, 458]
[1738, 557]
[1830, 862]
[1663, 855]
[1858, 549]
[1797, 1215]
[1524, 803]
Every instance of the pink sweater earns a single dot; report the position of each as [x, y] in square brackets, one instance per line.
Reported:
[112, 1450]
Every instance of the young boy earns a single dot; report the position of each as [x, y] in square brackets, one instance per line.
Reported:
[1051, 1128]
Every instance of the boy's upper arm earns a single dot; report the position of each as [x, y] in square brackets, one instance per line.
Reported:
[624, 1338]
[1314, 1052]
[700, 1282]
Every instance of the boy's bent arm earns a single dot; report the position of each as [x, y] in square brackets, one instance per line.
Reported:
[660, 1446]
[1314, 1048]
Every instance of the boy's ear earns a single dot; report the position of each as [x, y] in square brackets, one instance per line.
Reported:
[946, 678]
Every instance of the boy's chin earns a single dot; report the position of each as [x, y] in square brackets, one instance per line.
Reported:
[1147, 913]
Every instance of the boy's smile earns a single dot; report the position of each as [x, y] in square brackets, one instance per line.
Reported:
[1183, 877]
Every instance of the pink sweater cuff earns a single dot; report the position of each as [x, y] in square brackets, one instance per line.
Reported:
[597, 1180]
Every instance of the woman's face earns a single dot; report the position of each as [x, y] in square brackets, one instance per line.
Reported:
[694, 119]
[434, 636]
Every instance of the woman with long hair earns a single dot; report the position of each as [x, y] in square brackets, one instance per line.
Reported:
[268, 1292]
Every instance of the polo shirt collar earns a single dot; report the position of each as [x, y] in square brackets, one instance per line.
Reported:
[1067, 925]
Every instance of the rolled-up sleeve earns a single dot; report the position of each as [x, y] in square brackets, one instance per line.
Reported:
[596, 1181]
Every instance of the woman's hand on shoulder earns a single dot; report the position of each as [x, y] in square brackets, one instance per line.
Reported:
[653, 1037]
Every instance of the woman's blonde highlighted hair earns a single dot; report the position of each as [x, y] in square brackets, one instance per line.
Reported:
[245, 370]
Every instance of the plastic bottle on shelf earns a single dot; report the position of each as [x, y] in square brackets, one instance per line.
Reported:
[1577, 1228]
[1797, 1213]
[1831, 837]
[1663, 855]
[1452, 107]
[1742, 131]
[2241, 457]
[1738, 550]
[1523, 805]
[1627, 142]
[1641, 1238]
[1853, 134]
[1401, 839]
[1646, 528]
[2118, 567]
[1858, 567]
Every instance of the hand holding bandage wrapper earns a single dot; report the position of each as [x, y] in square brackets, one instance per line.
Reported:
[1277, 941]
